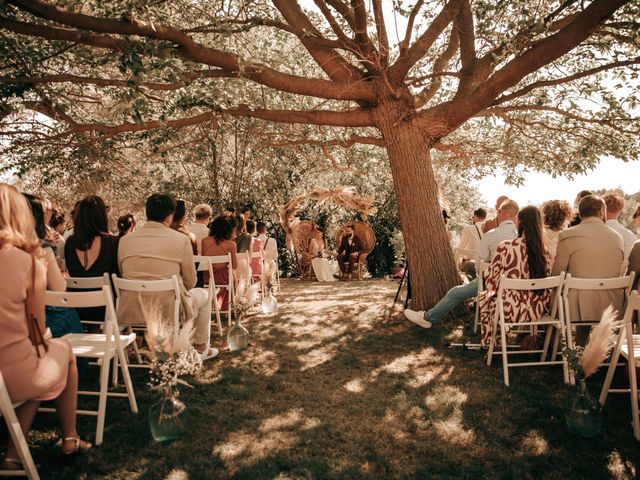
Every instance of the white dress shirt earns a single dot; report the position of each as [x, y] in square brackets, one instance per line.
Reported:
[627, 236]
[270, 247]
[490, 241]
[200, 230]
[471, 236]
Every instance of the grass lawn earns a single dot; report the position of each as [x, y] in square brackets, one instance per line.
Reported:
[338, 384]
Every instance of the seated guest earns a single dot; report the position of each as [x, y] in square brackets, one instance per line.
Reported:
[556, 215]
[576, 216]
[506, 230]
[59, 320]
[243, 246]
[470, 238]
[319, 262]
[91, 250]
[524, 257]
[348, 252]
[590, 250]
[177, 224]
[58, 226]
[270, 245]
[634, 263]
[615, 204]
[219, 243]
[156, 252]
[636, 221]
[200, 226]
[256, 262]
[31, 377]
[492, 223]
[126, 224]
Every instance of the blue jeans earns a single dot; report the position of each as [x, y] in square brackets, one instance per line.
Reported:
[452, 299]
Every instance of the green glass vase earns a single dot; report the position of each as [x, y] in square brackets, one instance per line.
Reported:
[165, 422]
[584, 415]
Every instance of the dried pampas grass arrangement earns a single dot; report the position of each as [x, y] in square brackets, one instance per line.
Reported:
[160, 335]
[601, 342]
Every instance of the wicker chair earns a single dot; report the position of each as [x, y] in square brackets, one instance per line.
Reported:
[302, 234]
[365, 233]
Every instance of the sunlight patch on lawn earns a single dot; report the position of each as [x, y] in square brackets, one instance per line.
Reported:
[177, 474]
[444, 405]
[535, 444]
[619, 468]
[274, 434]
[264, 362]
[354, 386]
[321, 355]
[423, 367]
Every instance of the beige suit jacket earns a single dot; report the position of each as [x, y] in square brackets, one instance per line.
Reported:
[590, 250]
[155, 252]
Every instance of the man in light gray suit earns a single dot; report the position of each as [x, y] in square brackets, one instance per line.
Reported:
[590, 250]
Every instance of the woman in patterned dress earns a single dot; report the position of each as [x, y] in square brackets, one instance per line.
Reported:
[524, 257]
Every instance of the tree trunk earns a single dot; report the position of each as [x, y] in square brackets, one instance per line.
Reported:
[431, 263]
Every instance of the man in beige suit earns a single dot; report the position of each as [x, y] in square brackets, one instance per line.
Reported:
[590, 250]
[156, 252]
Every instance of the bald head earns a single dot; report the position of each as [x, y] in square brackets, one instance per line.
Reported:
[499, 201]
[508, 210]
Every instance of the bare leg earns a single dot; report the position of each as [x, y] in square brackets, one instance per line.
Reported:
[67, 401]
[25, 414]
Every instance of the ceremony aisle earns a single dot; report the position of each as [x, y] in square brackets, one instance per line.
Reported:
[337, 384]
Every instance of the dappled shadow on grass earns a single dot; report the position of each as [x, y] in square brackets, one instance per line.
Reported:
[338, 385]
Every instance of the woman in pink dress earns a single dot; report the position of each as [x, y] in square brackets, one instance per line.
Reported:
[524, 257]
[31, 378]
[219, 243]
[256, 262]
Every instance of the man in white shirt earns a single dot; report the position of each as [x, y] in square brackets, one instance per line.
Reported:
[615, 204]
[270, 246]
[506, 230]
[472, 234]
[199, 227]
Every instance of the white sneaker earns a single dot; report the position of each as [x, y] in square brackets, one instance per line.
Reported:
[208, 352]
[417, 317]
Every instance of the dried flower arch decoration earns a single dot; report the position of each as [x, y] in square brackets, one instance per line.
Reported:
[340, 195]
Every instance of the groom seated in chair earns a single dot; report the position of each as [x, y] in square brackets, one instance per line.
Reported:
[348, 253]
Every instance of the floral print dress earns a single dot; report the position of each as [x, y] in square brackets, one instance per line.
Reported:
[520, 306]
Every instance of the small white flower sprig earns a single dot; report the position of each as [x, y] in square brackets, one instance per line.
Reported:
[171, 355]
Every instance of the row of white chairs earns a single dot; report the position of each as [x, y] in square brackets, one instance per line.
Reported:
[559, 316]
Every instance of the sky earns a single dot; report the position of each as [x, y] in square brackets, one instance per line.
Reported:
[539, 187]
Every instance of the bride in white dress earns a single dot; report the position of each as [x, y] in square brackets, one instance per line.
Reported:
[321, 266]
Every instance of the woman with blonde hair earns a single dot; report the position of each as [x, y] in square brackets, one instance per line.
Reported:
[32, 374]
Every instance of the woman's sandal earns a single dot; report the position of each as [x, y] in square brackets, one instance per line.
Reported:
[79, 446]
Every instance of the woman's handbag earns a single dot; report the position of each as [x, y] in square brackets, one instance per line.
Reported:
[33, 325]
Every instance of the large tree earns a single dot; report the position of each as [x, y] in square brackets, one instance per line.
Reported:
[509, 69]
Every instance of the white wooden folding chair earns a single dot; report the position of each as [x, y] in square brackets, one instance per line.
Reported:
[204, 265]
[555, 319]
[147, 286]
[7, 411]
[226, 259]
[103, 347]
[627, 345]
[480, 271]
[89, 283]
[624, 283]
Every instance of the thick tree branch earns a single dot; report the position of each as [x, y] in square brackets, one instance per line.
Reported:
[559, 81]
[544, 52]
[336, 142]
[350, 118]
[466, 34]
[441, 62]
[333, 64]
[405, 61]
[187, 47]
[404, 44]
[381, 29]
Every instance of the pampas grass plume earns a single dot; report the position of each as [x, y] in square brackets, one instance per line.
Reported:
[601, 342]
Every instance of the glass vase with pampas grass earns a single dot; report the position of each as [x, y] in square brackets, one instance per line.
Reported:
[584, 415]
[238, 335]
[171, 356]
